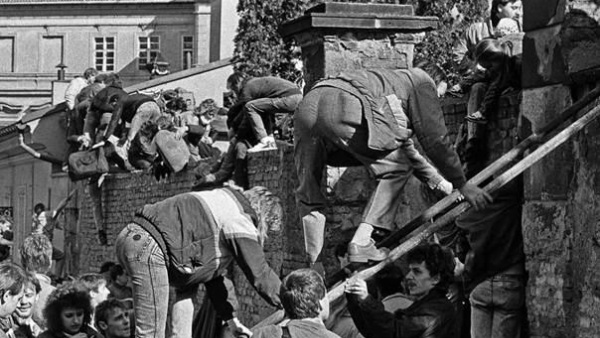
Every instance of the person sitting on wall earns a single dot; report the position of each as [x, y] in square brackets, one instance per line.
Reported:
[504, 72]
[366, 117]
[215, 227]
[259, 99]
[44, 223]
[463, 51]
[304, 298]
[431, 315]
[127, 119]
[82, 104]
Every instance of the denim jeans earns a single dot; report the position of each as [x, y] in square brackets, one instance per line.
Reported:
[497, 307]
[144, 261]
[266, 108]
[329, 128]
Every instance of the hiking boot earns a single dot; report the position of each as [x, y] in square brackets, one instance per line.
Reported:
[363, 254]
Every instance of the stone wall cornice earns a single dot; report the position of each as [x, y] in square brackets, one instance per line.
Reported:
[380, 17]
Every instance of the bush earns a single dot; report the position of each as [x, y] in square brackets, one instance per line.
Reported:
[455, 16]
[260, 50]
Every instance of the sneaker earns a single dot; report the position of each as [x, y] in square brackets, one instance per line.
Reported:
[476, 118]
[263, 146]
[363, 254]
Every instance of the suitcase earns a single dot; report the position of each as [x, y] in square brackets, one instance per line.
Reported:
[87, 163]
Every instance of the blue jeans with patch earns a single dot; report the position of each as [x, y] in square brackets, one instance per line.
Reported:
[145, 262]
[497, 307]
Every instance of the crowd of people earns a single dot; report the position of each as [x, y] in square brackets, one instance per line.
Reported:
[358, 117]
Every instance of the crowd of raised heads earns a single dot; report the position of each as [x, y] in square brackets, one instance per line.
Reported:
[38, 304]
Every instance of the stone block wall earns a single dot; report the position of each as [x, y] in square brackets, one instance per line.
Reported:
[561, 63]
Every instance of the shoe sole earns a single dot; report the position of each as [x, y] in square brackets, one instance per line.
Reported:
[362, 259]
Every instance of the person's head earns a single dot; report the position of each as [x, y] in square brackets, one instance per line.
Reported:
[207, 108]
[235, 82]
[12, 282]
[30, 297]
[89, 74]
[491, 54]
[267, 207]
[505, 9]
[113, 79]
[68, 309]
[105, 269]
[111, 318]
[118, 275]
[177, 104]
[429, 266]
[36, 253]
[436, 73]
[101, 78]
[39, 208]
[95, 285]
[5, 223]
[304, 295]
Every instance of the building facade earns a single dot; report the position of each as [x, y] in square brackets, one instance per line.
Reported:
[39, 37]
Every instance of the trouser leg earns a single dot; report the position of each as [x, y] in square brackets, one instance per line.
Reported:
[144, 261]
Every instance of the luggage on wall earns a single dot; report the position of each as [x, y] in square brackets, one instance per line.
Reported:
[87, 163]
[174, 151]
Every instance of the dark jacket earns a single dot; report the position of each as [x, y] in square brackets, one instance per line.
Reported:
[103, 102]
[429, 317]
[125, 111]
[495, 236]
[202, 233]
[417, 94]
[509, 76]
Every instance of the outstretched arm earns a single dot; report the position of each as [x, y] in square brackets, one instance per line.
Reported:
[37, 154]
[62, 204]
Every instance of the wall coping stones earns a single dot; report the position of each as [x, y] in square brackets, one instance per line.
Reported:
[359, 16]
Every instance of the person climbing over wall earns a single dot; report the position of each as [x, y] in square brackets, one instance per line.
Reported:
[365, 117]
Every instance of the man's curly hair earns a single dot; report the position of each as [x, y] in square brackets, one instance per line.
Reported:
[68, 295]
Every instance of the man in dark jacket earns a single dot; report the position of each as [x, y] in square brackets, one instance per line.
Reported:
[187, 240]
[430, 316]
[101, 109]
[366, 117]
[259, 99]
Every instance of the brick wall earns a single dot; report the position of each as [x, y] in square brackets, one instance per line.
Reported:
[348, 190]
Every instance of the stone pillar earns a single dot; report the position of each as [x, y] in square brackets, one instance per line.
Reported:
[561, 58]
[345, 36]
[335, 37]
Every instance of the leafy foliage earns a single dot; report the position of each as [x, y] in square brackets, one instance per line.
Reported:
[261, 51]
[455, 16]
